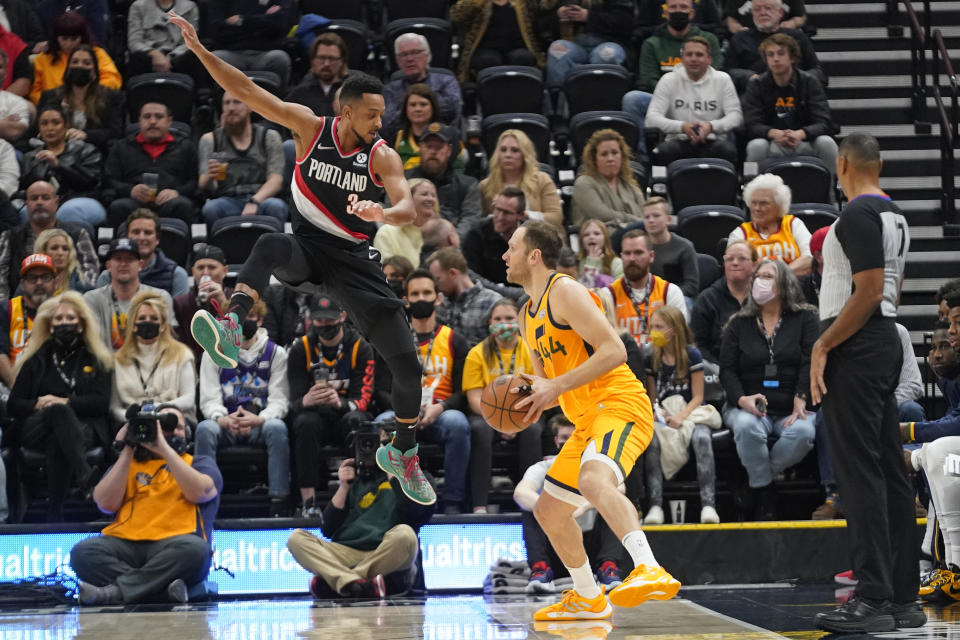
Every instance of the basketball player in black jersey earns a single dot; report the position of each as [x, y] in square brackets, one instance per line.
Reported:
[343, 167]
[855, 371]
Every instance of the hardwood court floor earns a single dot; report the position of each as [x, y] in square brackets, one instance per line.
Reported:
[699, 614]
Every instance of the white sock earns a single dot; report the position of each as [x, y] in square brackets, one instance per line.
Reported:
[639, 549]
[583, 581]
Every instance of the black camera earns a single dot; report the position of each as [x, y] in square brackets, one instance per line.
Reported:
[321, 374]
[143, 422]
[365, 445]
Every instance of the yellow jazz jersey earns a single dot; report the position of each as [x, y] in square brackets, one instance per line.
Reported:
[560, 349]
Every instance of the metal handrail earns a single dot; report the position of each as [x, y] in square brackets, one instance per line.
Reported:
[948, 141]
[940, 52]
[918, 60]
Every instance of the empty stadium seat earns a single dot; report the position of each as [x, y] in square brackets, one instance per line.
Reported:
[510, 89]
[355, 35]
[702, 181]
[333, 9]
[236, 235]
[398, 9]
[584, 124]
[438, 32]
[176, 90]
[709, 269]
[707, 227]
[808, 177]
[815, 214]
[175, 240]
[535, 125]
[640, 174]
[596, 87]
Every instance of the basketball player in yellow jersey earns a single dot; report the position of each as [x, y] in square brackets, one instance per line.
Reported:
[579, 362]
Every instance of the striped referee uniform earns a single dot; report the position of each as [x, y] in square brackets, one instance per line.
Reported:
[860, 376]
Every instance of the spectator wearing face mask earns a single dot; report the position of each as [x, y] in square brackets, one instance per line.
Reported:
[330, 373]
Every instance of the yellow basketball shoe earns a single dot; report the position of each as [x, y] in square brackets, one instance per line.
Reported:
[645, 584]
[935, 584]
[576, 629]
[574, 607]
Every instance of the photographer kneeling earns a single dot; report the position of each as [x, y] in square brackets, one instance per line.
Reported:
[164, 503]
[373, 527]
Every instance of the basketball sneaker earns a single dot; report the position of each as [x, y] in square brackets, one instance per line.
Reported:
[541, 579]
[219, 337]
[846, 577]
[405, 466]
[645, 584]
[609, 575]
[574, 607]
[576, 629]
[935, 585]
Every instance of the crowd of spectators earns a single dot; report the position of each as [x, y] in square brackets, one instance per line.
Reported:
[81, 341]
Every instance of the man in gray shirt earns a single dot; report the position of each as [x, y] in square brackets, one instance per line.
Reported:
[156, 45]
[240, 167]
[110, 303]
[676, 259]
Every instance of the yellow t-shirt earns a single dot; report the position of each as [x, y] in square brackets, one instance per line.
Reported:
[477, 374]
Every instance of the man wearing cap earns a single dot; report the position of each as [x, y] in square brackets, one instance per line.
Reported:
[253, 175]
[330, 371]
[458, 194]
[38, 279]
[111, 302]
[17, 243]
[245, 406]
[156, 269]
[209, 271]
[810, 283]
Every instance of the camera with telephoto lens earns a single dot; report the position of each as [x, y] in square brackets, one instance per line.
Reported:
[365, 445]
[143, 422]
[321, 374]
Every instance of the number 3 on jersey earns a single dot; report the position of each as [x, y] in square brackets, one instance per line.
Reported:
[351, 200]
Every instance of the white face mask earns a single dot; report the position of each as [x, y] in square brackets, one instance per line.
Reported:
[763, 291]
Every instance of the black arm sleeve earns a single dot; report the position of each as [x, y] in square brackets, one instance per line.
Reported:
[23, 395]
[458, 400]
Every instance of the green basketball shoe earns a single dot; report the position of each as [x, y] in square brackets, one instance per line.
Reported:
[405, 466]
[219, 337]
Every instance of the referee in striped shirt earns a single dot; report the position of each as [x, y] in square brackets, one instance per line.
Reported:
[854, 369]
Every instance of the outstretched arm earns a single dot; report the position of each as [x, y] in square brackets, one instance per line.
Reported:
[301, 120]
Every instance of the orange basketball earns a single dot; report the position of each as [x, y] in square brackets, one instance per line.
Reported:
[497, 403]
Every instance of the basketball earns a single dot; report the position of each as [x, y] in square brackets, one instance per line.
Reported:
[497, 404]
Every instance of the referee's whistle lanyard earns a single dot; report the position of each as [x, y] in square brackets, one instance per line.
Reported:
[644, 316]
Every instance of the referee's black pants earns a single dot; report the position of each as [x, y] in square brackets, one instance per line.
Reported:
[864, 436]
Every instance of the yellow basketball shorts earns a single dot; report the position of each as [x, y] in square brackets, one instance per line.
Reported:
[615, 435]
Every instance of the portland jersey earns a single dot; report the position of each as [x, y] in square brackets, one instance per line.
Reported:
[560, 349]
[328, 181]
[871, 233]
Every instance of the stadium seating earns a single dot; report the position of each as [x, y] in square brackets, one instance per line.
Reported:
[702, 181]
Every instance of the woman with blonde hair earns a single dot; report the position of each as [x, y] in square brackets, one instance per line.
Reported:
[152, 364]
[607, 189]
[60, 394]
[58, 244]
[598, 265]
[673, 375]
[514, 162]
[407, 240]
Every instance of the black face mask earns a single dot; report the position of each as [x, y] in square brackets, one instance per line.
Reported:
[678, 20]
[396, 286]
[422, 309]
[327, 331]
[65, 335]
[176, 443]
[147, 330]
[78, 76]
[249, 328]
